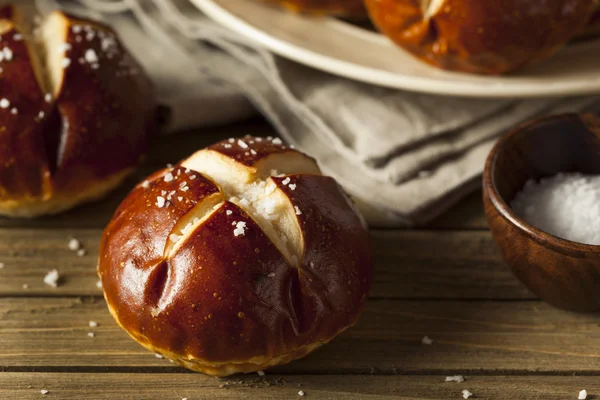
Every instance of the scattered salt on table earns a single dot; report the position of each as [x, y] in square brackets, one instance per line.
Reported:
[426, 340]
[455, 378]
[466, 394]
[74, 244]
[566, 205]
[51, 278]
[582, 395]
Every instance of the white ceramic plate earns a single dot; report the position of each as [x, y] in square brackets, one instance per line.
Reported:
[346, 50]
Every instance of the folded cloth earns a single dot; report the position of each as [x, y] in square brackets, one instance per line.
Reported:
[405, 157]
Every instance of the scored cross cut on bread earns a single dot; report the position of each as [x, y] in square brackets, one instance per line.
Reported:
[76, 111]
[241, 257]
[249, 184]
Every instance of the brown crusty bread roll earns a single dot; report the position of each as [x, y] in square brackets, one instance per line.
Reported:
[76, 112]
[241, 257]
[354, 9]
[478, 36]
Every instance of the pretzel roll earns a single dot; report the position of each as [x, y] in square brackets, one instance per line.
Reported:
[241, 257]
[485, 37]
[76, 112]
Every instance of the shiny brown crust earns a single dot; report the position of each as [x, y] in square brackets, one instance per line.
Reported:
[82, 142]
[486, 37]
[354, 9]
[220, 303]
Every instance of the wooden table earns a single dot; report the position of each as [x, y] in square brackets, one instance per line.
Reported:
[446, 281]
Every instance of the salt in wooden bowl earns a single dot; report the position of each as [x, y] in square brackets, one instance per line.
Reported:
[565, 274]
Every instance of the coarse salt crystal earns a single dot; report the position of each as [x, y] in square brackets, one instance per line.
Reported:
[168, 177]
[93, 324]
[74, 244]
[44, 391]
[8, 54]
[466, 394]
[51, 278]
[65, 62]
[91, 334]
[4, 103]
[48, 97]
[277, 141]
[99, 284]
[1, 265]
[298, 212]
[160, 201]
[260, 373]
[158, 356]
[231, 140]
[17, 37]
[286, 180]
[582, 395]
[271, 274]
[25, 286]
[41, 115]
[301, 393]
[242, 144]
[90, 56]
[240, 229]
[292, 186]
[145, 184]
[192, 177]
[253, 152]
[455, 378]
[14, 111]
[426, 340]
[566, 205]
[81, 252]
[228, 212]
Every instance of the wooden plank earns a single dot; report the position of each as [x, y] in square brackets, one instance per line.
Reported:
[462, 265]
[110, 386]
[467, 214]
[476, 338]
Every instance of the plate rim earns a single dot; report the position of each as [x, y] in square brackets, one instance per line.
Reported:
[388, 79]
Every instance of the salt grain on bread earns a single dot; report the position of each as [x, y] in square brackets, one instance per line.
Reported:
[72, 131]
[233, 279]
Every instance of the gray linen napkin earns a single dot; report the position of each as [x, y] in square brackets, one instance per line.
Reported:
[405, 157]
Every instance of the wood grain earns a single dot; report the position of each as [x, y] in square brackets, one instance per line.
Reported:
[128, 386]
[486, 338]
[464, 265]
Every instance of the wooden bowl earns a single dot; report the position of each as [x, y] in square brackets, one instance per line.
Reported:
[565, 274]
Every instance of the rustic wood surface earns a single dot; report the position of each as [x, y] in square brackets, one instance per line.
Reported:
[445, 281]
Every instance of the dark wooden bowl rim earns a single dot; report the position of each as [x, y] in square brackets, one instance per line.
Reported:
[564, 246]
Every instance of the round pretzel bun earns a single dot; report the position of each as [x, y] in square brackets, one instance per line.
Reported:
[353, 9]
[76, 112]
[241, 257]
[479, 36]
